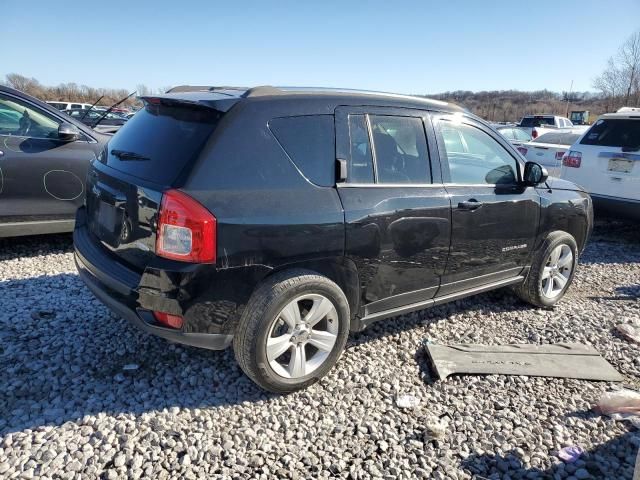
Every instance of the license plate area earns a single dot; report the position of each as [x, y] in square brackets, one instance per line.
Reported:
[620, 165]
[109, 222]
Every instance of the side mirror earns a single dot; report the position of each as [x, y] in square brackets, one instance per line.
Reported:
[534, 174]
[68, 132]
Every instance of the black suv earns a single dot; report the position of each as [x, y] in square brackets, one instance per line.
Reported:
[281, 219]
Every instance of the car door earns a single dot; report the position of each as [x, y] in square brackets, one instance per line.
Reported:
[41, 176]
[397, 212]
[494, 216]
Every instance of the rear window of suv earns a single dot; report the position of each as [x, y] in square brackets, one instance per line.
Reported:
[161, 140]
[309, 140]
[624, 133]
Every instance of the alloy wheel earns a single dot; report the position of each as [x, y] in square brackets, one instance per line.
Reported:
[302, 336]
[557, 271]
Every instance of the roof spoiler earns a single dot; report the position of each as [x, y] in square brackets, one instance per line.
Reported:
[223, 104]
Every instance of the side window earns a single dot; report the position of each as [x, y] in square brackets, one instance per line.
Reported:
[477, 158]
[400, 149]
[361, 160]
[18, 118]
[310, 143]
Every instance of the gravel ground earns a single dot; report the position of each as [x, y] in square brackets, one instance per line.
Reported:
[85, 395]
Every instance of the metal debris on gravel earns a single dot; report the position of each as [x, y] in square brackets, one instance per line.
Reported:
[68, 411]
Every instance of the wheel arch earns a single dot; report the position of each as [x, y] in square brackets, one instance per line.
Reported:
[339, 270]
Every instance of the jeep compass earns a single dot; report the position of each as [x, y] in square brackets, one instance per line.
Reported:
[278, 220]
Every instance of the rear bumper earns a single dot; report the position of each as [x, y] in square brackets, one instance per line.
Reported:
[116, 286]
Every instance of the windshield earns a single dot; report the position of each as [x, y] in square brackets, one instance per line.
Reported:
[614, 132]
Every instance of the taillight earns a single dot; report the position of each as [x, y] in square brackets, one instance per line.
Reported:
[186, 230]
[534, 133]
[168, 319]
[572, 159]
[523, 150]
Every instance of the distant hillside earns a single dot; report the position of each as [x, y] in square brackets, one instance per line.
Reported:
[511, 105]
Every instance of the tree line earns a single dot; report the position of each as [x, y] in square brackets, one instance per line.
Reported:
[617, 86]
[72, 92]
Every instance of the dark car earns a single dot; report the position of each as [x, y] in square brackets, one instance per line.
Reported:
[44, 157]
[278, 220]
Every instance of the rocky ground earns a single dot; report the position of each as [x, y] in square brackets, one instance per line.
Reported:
[86, 395]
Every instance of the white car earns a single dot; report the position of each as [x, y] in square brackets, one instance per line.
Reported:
[549, 148]
[606, 162]
[69, 105]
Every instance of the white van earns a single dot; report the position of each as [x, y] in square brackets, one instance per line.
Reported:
[606, 162]
[69, 105]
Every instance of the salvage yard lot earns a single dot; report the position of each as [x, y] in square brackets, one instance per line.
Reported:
[85, 395]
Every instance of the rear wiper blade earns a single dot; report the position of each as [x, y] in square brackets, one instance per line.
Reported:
[124, 155]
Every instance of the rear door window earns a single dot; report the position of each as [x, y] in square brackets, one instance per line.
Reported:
[161, 140]
[400, 149]
[309, 141]
[614, 132]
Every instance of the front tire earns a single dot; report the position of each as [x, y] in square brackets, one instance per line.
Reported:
[552, 271]
[292, 331]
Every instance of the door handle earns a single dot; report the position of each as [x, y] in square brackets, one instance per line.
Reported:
[471, 204]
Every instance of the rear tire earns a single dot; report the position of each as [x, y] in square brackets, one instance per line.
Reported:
[552, 271]
[292, 331]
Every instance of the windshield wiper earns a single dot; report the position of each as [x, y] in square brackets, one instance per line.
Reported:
[124, 155]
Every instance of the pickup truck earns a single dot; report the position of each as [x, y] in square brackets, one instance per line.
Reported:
[537, 125]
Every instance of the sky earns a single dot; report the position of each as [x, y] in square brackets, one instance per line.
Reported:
[412, 47]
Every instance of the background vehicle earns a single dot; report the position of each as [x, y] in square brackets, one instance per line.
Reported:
[516, 136]
[280, 219]
[579, 117]
[548, 149]
[538, 124]
[69, 105]
[606, 162]
[44, 155]
[91, 117]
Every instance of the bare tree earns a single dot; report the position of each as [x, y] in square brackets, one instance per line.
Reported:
[620, 80]
[629, 59]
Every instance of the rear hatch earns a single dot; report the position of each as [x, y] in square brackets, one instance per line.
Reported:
[152, 152]
[610, 158]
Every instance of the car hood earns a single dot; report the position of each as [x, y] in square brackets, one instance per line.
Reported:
[560, 184]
